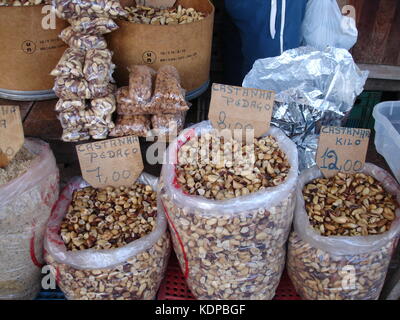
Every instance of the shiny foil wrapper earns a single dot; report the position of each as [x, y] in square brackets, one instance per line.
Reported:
[313, 88]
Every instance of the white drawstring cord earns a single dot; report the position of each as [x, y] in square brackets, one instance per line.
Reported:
[272, 18]
[283, 16]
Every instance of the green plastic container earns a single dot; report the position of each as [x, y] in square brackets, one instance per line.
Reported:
[361, 114]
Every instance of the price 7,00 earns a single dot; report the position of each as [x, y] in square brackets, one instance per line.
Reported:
[114, 176]
[331, 161]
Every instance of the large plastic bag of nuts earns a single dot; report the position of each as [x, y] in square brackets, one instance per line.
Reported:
[340, 267]
[131, 272]
[25, 206]
[235, 248]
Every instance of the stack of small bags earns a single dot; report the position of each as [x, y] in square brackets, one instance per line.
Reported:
[153, 105]
[84, 80]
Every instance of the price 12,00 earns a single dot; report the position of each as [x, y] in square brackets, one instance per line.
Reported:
[331, 161]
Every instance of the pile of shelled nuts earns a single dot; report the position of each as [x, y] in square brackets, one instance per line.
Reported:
[230, 233]
[20, 3]
[138, 278]
[84, 73]
[141, 107]
[226, 179]
[107, 223]
[349, 205]
[344, 234]
[109, 218]
[156, 16]
[320, 275]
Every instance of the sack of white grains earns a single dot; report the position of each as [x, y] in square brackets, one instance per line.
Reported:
[229, 215]
[345, 231]
[28, 189]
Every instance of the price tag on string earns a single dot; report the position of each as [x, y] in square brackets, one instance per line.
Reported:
[241, 108]
[113, 162]
[342, 149]
[11, 133]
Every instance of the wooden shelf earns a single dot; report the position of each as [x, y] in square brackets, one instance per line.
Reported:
[382, 72]
[382, 77]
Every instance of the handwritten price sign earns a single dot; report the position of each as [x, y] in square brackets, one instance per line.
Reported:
[241, 108]
[342, 149]
[11, 133]
[114, 162]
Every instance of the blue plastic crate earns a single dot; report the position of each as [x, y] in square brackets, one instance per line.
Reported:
[51, 295]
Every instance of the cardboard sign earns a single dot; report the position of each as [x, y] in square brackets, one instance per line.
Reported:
[11, 133]
[241, 108]
[114, 162]
[342, 149]
[156, 3]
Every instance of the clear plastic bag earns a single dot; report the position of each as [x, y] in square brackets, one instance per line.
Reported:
[131, 125]
[95, 121]
[324, 25]
[100, 90]
[141, 83]
[166, 124]
[25, 206]
[131, 272]
[230, 249]
[74, 135]
[340, 267]
[70, 88]
[70, 105]
[19, 3]
[104, 106]
[67, 9]
[98, 67]
[93, 26]
[128, 107]
[73, 125]
[78, 125]
[169, 96]
[122, 96]
[82, 41]
[70, 64]
[74, 120]
[99, 132]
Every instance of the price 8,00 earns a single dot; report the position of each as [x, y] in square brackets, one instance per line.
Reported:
[222, 124]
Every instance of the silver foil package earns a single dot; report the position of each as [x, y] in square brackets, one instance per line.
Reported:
[313, 88]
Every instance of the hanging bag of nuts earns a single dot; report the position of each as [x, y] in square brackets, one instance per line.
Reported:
[67, 9]
[119, 259]
[25, 206]
[232, 248]
[168, 96]
[345, 252]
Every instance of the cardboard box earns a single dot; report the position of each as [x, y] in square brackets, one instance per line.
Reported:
[185, 46]
[28, 52]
